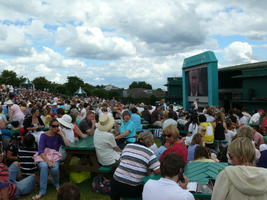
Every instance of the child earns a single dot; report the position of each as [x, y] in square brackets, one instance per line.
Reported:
[165, 145]
[7, 189]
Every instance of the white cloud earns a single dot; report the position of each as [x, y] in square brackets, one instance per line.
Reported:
[117, 42]
[239, 52]
[91, 42]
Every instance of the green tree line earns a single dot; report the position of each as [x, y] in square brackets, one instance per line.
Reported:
[70, 87]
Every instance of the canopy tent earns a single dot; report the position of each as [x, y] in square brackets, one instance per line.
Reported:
[80, 91]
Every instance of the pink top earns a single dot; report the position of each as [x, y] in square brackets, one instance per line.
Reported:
[17, 113]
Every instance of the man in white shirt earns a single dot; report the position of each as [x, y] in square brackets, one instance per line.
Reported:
[255, 119]
[171, 186]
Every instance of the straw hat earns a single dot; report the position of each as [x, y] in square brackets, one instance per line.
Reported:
[65, 120]
[105, 123]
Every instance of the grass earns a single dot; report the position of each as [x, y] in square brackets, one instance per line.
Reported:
[85, 189]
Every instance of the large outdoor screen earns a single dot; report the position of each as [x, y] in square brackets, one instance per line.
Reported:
[197, 78]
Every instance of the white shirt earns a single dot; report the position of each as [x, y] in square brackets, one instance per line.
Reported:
[165, 189]
[243, 120]
[104, 143]
[229, 135]
[154, 148]
[255, 118]
[193, 128]
[209, 118]
[69, 134]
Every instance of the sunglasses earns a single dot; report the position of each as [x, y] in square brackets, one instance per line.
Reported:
[165, 135]
[54, 126]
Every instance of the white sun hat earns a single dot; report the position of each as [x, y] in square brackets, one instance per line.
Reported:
[65, 120]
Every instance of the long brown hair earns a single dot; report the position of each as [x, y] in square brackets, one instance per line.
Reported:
[197, 139]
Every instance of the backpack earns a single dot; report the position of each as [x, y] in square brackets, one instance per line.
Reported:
[101, 184]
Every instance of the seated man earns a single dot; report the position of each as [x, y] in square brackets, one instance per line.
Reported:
[87, 125]
[173, 185]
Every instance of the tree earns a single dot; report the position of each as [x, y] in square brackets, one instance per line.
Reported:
[73, 84]
[10, 78]
[140, 84]
[99, 92]
[88, 89]
[40, 83]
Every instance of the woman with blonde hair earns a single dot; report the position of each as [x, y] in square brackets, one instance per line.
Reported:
[172, 136]
[196, 141]
[243, 180]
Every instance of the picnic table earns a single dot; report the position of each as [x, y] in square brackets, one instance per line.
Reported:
[83, 149]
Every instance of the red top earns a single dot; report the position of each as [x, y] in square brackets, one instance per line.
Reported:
[179, 148]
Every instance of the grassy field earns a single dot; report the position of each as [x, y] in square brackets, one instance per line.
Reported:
[85, 188]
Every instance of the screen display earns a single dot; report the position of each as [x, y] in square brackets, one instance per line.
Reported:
[197, 78]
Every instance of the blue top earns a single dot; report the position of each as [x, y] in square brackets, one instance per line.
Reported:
[160, 151]
[5, 110]
[51, 142]
[54, 110]
[191, 152]
[128, 126]
[137, 121]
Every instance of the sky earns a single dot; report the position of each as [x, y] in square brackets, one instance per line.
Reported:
[120, 41]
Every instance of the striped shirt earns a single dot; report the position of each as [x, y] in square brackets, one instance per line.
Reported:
[25, 158]
[135, 161]
[5, 179]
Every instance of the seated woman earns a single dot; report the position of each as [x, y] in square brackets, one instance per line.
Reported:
[77, 131]
[202, 155]
[14, 112]
[34, 124]
[52, 139]
[242, 180]
[135, 163]
[196, 141]
[135, 117]
[66, 127]
[170, 186]
[164, 145]
[107, 151]
[171, 134]
[127, 131]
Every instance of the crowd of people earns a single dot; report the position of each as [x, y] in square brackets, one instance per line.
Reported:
[36, 125]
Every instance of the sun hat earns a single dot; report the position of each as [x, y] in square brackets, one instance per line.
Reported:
[9, 102]
[65, 120]
[105, 123]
